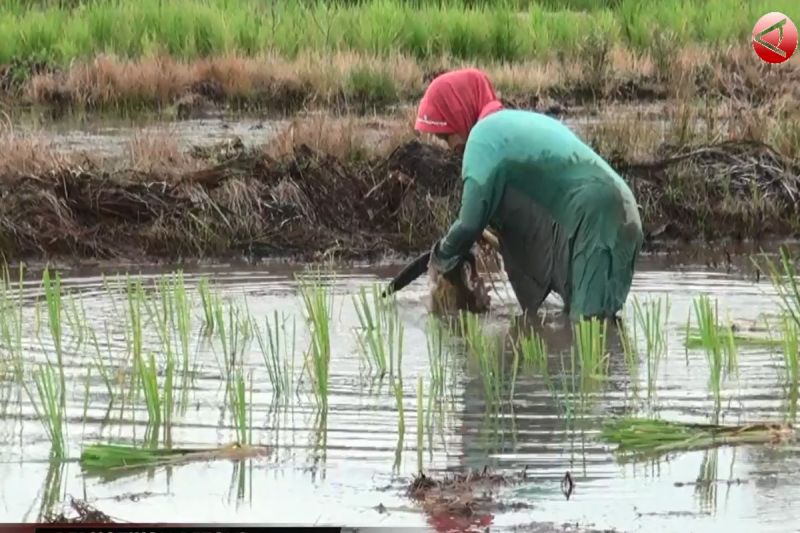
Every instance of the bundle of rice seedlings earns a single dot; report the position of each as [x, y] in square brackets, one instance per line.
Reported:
[649, 437]
[120, 456]
[694, 338]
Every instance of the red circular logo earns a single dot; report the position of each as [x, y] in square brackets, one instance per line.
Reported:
[774, 37]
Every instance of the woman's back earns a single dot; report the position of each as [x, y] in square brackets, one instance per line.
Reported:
[542, 158]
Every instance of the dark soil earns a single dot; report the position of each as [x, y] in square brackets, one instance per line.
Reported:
[312, 206]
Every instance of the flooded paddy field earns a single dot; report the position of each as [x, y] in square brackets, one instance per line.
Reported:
[191, 360]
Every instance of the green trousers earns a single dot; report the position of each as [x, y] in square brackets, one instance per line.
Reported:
[592, 276]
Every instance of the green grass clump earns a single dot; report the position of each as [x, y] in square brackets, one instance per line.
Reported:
[652, 437]
[371, 88]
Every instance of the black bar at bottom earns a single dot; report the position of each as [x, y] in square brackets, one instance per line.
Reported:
[176, 528]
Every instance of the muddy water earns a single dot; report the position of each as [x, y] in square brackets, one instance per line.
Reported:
[110, 136]
[346, 471]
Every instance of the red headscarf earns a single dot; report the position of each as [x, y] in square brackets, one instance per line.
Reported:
[455, 101]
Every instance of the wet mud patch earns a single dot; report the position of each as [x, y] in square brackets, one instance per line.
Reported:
[639, 89]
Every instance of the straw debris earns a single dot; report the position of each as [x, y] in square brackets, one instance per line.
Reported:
[308, 203]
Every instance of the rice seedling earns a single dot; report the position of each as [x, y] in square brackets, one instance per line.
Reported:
[11, 321]
[651, 318]
[591, 336]
[706, 482]
[49, 408]
[720, 348]
[784, 281]
[420, 427]
[398, 398]
[161, 312]
[279, 354]
[241, 407]
[318, 301]
[438, 363]
[791, 351]
[134, 331]
[183, 328]
[239, 478]
[76, 319]
[532, 350]
[52, 490]
[234, 335]
[641, 437]
[52, 291]
[381, 333]
[489, 356]
[158, 403]
[630, 351]
[210, 300]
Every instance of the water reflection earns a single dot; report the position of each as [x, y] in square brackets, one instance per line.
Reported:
[549, 424]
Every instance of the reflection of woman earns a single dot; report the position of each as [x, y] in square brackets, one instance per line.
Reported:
[567, 222]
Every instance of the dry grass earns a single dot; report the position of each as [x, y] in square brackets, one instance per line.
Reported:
[345, 136]
[157, 152]
[29, 155]
[108, 81]
[350, 79]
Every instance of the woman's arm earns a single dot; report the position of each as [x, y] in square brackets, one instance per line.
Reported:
[472, 219]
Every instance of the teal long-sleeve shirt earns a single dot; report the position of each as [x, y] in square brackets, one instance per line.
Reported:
[542, 158]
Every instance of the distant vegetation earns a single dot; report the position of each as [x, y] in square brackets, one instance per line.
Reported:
[60, 31]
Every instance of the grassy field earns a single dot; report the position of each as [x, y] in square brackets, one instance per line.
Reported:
[374, 53]
[61, 31]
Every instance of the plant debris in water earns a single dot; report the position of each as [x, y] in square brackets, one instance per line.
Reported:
[85, 514]
[460, 494]
[648, 437]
